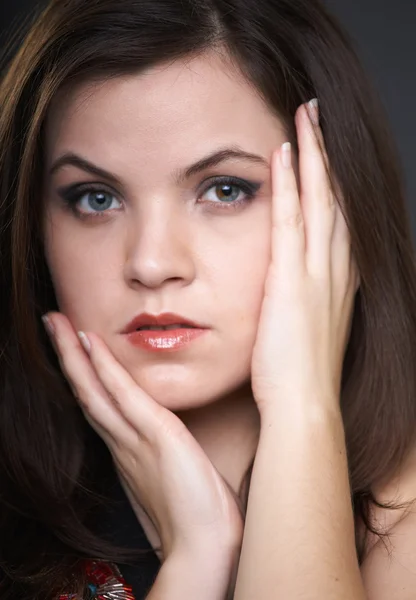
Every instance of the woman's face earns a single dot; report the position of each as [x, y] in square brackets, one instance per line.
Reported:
[128, 230]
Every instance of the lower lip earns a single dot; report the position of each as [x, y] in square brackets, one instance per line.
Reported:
[164, 341]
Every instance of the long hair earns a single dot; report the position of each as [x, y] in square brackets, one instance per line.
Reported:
[51, 461]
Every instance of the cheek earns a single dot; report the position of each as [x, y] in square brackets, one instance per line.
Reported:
[83, 277]
[244, 269]
[247, 292]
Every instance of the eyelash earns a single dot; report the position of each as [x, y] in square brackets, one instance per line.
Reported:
[71, 195]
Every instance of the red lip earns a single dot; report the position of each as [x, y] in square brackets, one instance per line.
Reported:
[146, 319]
[164, 340]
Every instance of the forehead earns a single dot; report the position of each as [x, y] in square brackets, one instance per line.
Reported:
[185, 102]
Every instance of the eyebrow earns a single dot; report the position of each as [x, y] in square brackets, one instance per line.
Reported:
[180, 175]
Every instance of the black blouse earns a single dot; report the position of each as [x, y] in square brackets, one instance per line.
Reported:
[121, 526]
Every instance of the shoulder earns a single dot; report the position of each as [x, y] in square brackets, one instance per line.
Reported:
[389, 565]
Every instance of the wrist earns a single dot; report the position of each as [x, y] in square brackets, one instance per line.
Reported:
[200, 574]
[301, 408]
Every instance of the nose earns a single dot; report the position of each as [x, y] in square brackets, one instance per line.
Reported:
[159, 249]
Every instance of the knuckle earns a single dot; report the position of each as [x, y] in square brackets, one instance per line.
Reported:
[113, 388]
[115, 397]
[327, 204]
[331, 199]
[325, 199]
[292, 221]
[314, 153]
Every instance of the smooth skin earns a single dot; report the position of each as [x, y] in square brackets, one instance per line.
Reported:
[163, 468]
[298, 537]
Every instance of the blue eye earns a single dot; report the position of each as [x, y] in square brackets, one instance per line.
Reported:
[89, 201]
[96, 200]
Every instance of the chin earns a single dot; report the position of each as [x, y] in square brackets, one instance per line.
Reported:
[180, 389]
[180, 396]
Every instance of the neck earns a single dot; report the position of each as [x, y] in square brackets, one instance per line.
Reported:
[228, 432]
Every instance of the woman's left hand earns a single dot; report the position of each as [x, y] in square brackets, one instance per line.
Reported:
[311, 284]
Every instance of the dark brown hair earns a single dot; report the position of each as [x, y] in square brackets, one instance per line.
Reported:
[52, 464]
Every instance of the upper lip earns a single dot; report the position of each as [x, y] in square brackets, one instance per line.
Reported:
[147, 319]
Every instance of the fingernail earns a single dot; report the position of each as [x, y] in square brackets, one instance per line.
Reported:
[48, 325]
[313, 110]
[287, 155]
[86, 344]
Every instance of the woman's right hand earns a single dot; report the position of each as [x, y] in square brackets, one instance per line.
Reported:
[176, 492]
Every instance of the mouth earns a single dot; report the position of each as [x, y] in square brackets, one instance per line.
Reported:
[167, 338]
[165, 327]
[162, 322]
[167, 332]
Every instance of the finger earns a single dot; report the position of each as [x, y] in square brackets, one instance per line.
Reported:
[341, 247]
[344, 268]
[288, 240]
[317, 197]
[144, 414]
[98, 409]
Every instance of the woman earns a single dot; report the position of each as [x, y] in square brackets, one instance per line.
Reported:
[206, 192]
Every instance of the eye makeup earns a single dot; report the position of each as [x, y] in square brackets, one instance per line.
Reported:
[73, 194]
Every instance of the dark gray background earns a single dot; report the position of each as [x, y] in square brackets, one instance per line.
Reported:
[384, 35]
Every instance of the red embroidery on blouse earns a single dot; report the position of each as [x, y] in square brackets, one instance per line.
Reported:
[104, 582]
